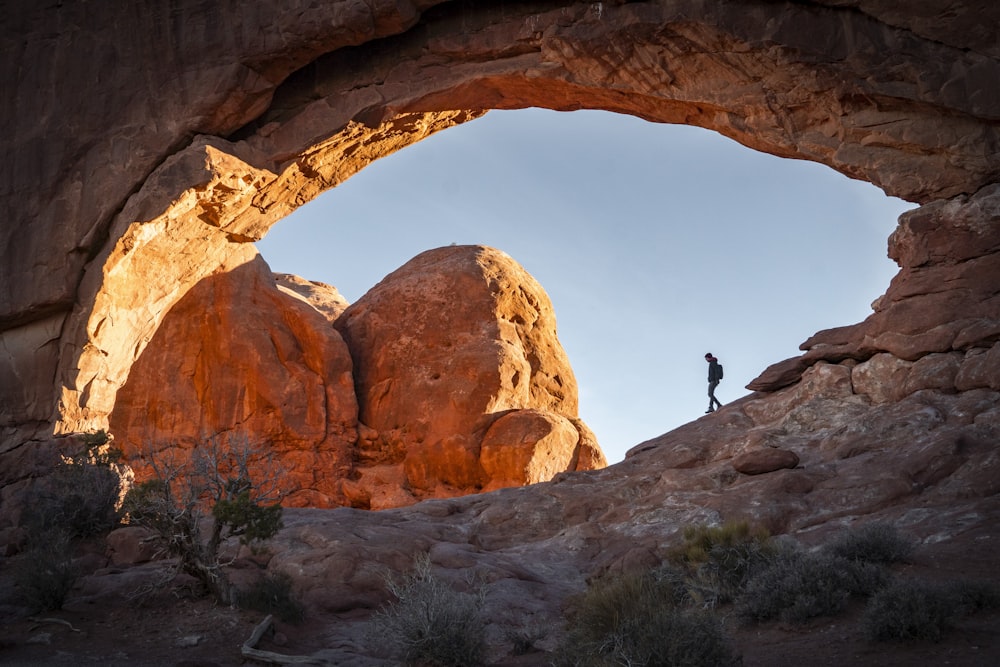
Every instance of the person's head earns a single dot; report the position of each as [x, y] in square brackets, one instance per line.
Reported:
[708, 356]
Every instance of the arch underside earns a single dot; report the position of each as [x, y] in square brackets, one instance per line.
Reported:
[869, 93]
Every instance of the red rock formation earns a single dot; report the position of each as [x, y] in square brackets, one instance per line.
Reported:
[124, 187]
[454, 340]
[444, 346]
[238, 358]
[945, 300]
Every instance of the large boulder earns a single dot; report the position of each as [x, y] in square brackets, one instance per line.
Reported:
[238, 359]
[445, 346]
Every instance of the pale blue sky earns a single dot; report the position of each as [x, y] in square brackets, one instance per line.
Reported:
[656, 244]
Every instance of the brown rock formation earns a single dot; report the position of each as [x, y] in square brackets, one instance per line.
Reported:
[444, 346]
[144, 149]
[760, 461]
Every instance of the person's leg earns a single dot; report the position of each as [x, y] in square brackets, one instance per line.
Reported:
[713, 402]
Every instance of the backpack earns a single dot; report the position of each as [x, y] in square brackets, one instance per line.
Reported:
[720, 370]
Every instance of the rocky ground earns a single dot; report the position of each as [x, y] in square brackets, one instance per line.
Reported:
[928, 463]
[170, 629]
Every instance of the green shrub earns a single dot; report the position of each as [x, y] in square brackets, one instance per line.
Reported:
[721, 559]
[225, 489]
[45, 572]
[878, 542]
[636, 619]
[911, 610]
[272, 594]
[799, 586]
[430, 623]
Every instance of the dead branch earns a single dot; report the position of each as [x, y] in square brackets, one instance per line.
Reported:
[249, 649]
[40, 621]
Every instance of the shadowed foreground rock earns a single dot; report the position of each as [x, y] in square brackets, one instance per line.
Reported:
[927, 463]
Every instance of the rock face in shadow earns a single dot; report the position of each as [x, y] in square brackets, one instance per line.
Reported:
[462, 383]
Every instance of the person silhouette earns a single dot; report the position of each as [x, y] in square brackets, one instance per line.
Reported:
[714, 377]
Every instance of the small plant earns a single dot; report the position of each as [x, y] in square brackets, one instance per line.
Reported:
[430, 623]
[523, 640]
[977, 595]
[911, 610]
[799, 586]
[272, 594]
[878, 542]
[637, 619]
[82, 494]
[224, 490]
[45, 572]
[77, 500]
[722, 559]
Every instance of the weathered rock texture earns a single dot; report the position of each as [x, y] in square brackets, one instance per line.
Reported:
[120, 202]
[460, 376]
[457, 339]
[239, 360]
[144, 147]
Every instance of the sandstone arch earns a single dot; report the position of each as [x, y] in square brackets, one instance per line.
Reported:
[213, 123]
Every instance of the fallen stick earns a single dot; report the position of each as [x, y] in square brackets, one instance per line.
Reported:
[39, 621]
[249, 649]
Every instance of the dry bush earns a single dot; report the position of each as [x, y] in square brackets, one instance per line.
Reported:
[799, 586]
[720, 560]
[430, 623]
[272, 594]
[224, 490]
[911, 610]
[45, 573]
[638, 619]
[877, 542]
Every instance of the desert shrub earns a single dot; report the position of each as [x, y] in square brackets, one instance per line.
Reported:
[911, 610]
[227, 489]
[81, 495]
[638, 619]
[522, 640]
[798, 586]
[976, 596]
[430, 623]
[878, 542]
[721, 559]
[272, 594]
[45, 572]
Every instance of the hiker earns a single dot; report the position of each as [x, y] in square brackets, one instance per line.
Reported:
[714, 377]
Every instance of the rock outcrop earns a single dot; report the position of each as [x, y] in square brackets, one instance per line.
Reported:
[460, 376]
[144, 150]
[942, 310]
[462, 383]
[239, 360]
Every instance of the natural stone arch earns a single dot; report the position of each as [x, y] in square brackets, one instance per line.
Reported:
[306, 99]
